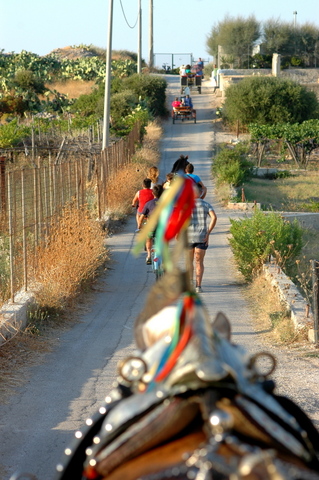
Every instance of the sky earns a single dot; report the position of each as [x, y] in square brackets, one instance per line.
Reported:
[180, 27]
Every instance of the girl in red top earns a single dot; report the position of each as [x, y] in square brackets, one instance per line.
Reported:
[141, 197]
[176, 103]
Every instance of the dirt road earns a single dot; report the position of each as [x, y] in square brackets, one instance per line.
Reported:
[39, 420]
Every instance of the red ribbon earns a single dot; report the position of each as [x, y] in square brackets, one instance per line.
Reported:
[182, 210]
[183, 341]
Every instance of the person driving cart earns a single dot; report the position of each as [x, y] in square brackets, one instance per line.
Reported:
[188, 71]
[187, 102]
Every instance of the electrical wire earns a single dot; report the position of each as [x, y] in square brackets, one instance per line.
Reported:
[126, 18]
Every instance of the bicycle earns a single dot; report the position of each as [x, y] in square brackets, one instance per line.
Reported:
[157, 264]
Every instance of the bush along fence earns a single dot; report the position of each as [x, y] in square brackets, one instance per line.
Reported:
[32, 199]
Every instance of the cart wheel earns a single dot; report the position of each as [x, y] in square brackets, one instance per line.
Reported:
[194, 119]
[199, 89]
[173, 118]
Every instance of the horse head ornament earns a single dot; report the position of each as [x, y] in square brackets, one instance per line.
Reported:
[191, 404]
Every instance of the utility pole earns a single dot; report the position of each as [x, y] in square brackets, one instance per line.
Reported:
[151, 43]
[295, 25]
[107, 94]
[139, 48]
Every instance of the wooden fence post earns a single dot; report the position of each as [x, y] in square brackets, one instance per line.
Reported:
[3, 185]
[24, 236]
[315, 292]
[11, 239]
[35, 206]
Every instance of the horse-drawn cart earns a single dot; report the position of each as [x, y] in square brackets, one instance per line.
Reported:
[191, 81]
[183, 113]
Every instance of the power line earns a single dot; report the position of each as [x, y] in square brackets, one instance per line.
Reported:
[126, 18]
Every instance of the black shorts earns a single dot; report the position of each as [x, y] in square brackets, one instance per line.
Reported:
[201, 246]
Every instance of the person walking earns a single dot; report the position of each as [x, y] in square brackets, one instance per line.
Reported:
[141, 198]
[198, 235]
[153, 174]
[200, 64]
[215, 77]
[189, 170]
[169, 178]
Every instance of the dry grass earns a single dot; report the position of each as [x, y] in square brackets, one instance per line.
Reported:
[223, 193]
[74, 251]
[75, 248]
[292, 194]
[72, 88]
[122, 188]
[270, 315]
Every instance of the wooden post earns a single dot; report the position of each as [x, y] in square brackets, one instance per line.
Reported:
[77, 184]
[51, 189]
[35, 206]
[24, 236]
[315, 290]
[70, 193]
[60, 150]
[46, 183]
[3, 185]
[11, 239]
[32, 145]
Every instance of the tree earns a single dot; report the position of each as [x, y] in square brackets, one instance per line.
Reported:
[307, 42]
[237, 36]
[297, 45]
[277, 37]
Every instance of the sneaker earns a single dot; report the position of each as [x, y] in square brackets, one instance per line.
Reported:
[137, 230]
[198, 290]
[148, 261]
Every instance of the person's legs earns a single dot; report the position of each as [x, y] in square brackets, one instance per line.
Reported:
[149, 243]
[191, 263]
[199, 266]
[137, 219]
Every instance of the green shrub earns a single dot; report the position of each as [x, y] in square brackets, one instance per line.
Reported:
[231, 173]
[151, 90]
[90, 104]
[13, 105]
[126, 93]
[12, 133]
[254, 239]
[268, 100]
[231, 166]
[122, 104]
[27, 80]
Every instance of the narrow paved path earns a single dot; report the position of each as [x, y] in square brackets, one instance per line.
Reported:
[40, 419]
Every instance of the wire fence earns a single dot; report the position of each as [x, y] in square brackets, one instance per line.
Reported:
[31, 199]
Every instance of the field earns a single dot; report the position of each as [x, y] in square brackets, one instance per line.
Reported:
[297, 193]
